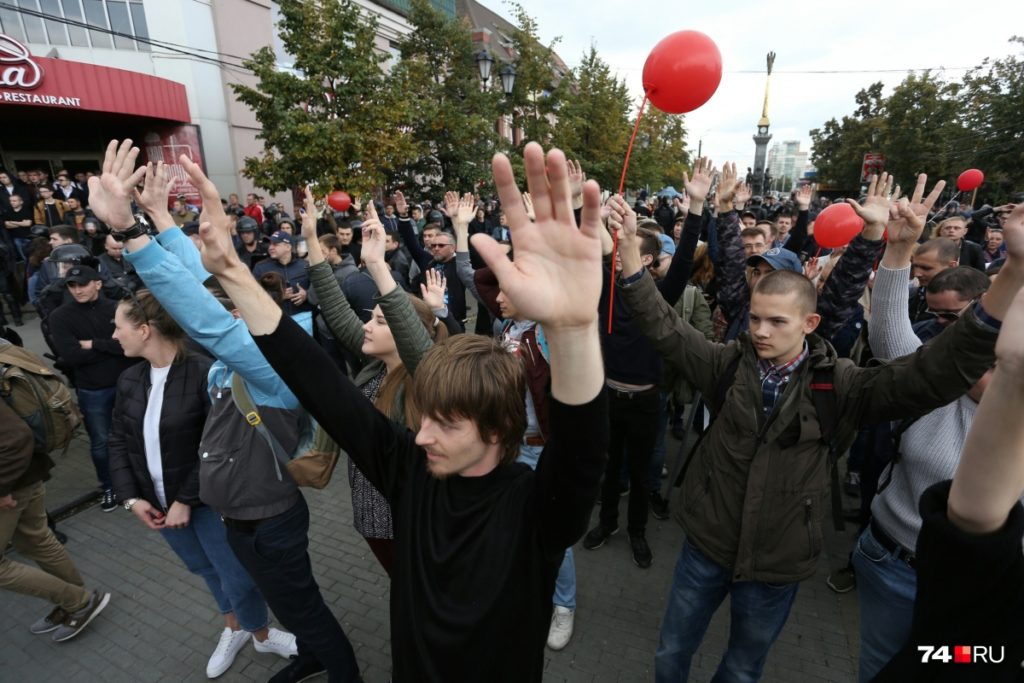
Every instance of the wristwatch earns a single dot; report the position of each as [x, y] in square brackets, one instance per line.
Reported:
[138, 229]
[129, 503]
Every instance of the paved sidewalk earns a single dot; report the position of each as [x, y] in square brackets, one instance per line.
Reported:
[162, 625]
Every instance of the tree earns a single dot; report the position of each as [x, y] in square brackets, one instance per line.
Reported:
[452, 119]
[593, 124]
[539, 86]
[331, 120]
[659, 154]
[838, 147]
[921, 127]
[993, 99]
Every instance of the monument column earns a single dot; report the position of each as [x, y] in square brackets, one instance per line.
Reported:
[763, 136]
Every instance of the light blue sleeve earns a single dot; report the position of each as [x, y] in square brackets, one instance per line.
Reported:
[178, 243]
[205, 320]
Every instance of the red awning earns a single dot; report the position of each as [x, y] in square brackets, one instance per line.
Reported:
[77, 85]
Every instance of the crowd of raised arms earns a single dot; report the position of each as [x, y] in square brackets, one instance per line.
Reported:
[225, 356]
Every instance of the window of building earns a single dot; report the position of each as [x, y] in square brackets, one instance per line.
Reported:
[82, 23]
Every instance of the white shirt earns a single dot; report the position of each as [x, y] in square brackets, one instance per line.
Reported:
[151, 430]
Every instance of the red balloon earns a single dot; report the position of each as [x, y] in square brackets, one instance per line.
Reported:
[836, 226]
[682, 72]
[339, 200]
[971, 179]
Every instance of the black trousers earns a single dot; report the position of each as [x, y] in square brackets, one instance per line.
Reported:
[274, 552]
[633, 424]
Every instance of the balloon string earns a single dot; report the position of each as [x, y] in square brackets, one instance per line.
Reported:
[615, 237]
[632, 139]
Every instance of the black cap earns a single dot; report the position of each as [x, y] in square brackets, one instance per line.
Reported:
[247, 224]
[81, 275]
[190, 227]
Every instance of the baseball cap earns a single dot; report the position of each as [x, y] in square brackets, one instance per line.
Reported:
[667, 245]
[190, 227]
[744, 214]
[779, 259]
[281, 236]
[81, 275]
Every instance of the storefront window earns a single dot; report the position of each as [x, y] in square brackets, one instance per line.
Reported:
[73, 13]
[10, 22]
[34, 32]
[119, 24]
[56, 33]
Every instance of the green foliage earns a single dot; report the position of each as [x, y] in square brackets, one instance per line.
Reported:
[539, 90]
[659, 154]
[451, 118]
[593, 124]
[931, 126]
[322, 121]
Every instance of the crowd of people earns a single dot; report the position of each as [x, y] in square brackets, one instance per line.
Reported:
[227, 355]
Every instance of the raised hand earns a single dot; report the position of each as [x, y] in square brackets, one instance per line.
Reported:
[698, 186]
[907, 218]
[812, 269]
[1013, 234]
[218, 251]
[727, 183]
[743, 195]
[401, 206]
[451, 203]
[576, 177]
[466, 210]
[876, 208]
[110, 193]
[528, 205]
[433, 288]
[157, 187]
[556, 276]
[682, 202]
[373, 238]
[309, 216]
[804, 195]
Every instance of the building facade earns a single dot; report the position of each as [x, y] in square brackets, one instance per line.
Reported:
[76, 73]
[786, 165]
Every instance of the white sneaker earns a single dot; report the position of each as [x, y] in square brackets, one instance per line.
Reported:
[561, 627]
[280, 643]
[230, 643]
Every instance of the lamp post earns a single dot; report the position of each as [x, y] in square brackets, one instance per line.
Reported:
[508, 79]
[484, 62]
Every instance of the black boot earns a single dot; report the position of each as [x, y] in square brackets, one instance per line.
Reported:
[15, 309]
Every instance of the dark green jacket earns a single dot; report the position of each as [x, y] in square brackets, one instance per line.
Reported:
[753, 498]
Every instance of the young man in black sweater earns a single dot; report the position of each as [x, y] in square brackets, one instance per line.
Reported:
[478, 537]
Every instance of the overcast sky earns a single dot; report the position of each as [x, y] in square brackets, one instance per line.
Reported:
[805, 37]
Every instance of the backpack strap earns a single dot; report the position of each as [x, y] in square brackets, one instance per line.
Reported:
[715, 404]
[243, 401]
[823, 395]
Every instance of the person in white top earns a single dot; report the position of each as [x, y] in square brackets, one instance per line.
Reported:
[160, 411]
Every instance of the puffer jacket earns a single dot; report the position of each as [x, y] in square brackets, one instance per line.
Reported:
[186, 404]
[753, 497]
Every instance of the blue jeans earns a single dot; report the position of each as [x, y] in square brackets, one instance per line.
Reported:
[886, 588]
[565, 584]
[758, 612]
[658, 455]
[97, 410]
[276, 555]
[203, 547]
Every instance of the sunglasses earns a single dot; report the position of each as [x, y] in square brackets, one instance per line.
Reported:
[951, 316]
[440, 246]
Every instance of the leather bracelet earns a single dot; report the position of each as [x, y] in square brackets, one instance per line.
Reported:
[136, 230]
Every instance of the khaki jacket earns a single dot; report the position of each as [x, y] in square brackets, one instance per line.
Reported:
[753, 499]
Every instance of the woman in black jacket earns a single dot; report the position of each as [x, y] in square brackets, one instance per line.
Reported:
[159, 413]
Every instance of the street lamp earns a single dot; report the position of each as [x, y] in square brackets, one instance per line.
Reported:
[484, 62]
[508, 78]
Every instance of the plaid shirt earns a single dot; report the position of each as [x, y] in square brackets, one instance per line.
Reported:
[775, 377]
